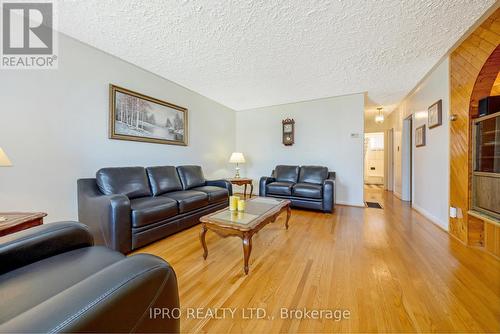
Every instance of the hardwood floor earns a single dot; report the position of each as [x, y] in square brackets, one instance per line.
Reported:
[393, 270]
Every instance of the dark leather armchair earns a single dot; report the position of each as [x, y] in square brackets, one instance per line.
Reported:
[52, 279]
[309, 187]
[129, 207]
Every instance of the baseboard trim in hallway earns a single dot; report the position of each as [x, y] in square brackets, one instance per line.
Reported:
[433, 219]
[374, 186]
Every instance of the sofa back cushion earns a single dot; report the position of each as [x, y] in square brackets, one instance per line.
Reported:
[313, 174]
[163, 179]
[129, 181]
[284, 173]
[191, 176]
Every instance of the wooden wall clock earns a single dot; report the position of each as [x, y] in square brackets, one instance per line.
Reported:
[288, 131]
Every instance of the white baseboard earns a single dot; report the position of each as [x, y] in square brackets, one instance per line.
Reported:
[436, 221]
[398, 195]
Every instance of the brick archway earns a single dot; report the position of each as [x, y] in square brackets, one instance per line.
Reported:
[485, 80]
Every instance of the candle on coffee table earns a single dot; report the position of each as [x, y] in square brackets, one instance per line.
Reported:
[241, 205]
[233, 203]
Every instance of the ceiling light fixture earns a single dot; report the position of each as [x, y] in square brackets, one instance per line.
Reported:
[380, 117]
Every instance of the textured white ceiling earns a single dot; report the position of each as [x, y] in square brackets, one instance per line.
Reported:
[247, 54]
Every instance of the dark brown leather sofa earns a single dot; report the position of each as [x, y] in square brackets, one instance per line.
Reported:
[129, 207]
[308, 187]
[53, 279]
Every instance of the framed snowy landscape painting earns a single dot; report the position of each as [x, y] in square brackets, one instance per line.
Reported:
[137, 117]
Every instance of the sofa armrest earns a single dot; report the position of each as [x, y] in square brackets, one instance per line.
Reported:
[122, 297]
[108, 216]
[40, 242]
[264, 181]
[329, 194]
[221, 183]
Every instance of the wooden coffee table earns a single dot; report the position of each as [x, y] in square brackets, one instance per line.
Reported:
[259, 212]
[12, 222]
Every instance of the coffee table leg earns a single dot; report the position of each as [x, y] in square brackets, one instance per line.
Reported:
[251, 189]
[203, 242]
[288, 214]
[247, 249]
[245, 191]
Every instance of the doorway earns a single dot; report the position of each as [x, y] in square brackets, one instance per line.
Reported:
[374, 159]
[374, 168]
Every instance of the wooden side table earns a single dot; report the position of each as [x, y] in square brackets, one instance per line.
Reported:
[18, 221]
[241, 181]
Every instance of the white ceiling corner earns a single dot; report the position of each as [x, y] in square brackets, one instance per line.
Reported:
[254, 53]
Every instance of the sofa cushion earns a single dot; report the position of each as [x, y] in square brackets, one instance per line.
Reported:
[147, 210]
[284, 173]
[313, 174]
[163, 179]
[280, 188]
[215, 194]
[308, 190]
[129, 181]
[188, 200]
[191, 176]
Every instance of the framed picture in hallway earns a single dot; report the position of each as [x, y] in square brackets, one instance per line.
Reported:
[435, 114]
[137, 117]
[420, 136]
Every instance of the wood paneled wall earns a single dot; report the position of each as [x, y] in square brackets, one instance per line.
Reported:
[471, 78]
[492, 239]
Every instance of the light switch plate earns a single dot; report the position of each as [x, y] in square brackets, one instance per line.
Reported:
[453, 212]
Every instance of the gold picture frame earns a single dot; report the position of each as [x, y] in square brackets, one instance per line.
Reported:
[137, 117]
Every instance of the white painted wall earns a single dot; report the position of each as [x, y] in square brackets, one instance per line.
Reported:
[406, 160]
[323, 131]
[54, 127]
[389, 159]
[431, 162]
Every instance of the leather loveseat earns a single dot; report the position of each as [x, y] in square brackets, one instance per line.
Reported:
[129, 207]
[52, 279]
[309, 187]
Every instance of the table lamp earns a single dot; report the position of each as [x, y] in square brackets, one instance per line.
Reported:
[237, 158]
[4, 159]
[4, 162]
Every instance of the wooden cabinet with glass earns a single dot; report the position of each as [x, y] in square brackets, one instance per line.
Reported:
[486, 170]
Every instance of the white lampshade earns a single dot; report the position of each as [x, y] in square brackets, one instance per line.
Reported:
[237, 158]
[4, 159]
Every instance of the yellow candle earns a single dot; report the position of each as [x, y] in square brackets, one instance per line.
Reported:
[241, 205]
[234, 216]
[233, 203]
